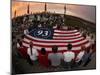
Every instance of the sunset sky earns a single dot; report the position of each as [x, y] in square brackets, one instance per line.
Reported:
[85, 12]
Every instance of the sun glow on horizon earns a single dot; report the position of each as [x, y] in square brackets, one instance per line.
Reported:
[82, 11]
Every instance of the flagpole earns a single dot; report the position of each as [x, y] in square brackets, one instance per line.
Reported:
[45, 8]
[15, 13]
[65, 9]
[28, 9]
[64, 12]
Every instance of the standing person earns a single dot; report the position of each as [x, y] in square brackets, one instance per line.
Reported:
[92, 41]
[84, 35]
[93, 47]
[55, 57]
[88, 37]
[87, 57]
[18, 45]
[80, 55]
[21, 50]
[26, 32]
[43, 58]
[55, 26]
[69, 57]
[32, 53]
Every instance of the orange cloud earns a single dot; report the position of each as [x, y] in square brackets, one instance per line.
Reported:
[82, 11]
[21, 7]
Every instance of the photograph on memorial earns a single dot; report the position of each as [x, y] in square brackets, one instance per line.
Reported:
[52, 37]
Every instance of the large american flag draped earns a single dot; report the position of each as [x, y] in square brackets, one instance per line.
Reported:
[60, 38]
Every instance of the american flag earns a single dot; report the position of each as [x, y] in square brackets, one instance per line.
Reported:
[61, 38]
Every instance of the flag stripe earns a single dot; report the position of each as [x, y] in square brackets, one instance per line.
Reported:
[67, 35]
[65, 32]
[59, 48]
[60, 45]
[66, 38]
[61, 38]
[54, 41]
